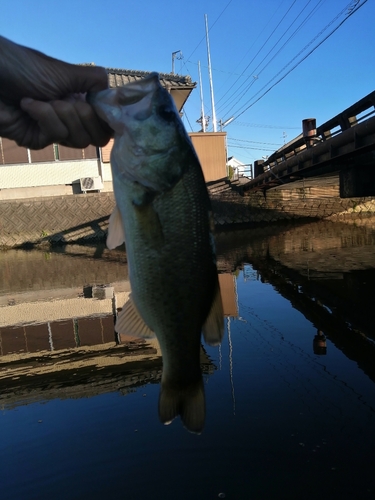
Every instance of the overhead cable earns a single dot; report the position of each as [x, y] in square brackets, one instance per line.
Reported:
[351, 11]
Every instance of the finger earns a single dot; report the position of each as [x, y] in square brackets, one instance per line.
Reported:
[82, 122]
[69, 122]
[10, 116]
[67, 112]
[18, 126]
[88, 78]
[98, 130]
[51, 127]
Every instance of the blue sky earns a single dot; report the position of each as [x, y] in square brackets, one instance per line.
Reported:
[253, 45]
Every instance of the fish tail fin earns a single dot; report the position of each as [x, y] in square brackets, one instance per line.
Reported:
[188, 402]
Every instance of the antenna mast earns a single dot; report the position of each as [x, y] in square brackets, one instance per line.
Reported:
[174, 55]
[210, 75]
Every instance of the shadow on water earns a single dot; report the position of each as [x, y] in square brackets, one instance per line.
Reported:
[290, 392]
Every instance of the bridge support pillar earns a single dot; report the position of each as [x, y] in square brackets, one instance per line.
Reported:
[258, 167]
[357, 181]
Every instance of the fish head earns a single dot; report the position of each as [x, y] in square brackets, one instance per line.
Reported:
[150, 139]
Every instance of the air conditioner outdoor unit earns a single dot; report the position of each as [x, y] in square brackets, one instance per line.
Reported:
[91, 184]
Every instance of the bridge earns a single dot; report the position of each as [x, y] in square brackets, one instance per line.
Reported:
[345, 144]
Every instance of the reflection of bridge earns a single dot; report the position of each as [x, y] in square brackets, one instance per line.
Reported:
[320, 302]
[344, 144]
[327, 272]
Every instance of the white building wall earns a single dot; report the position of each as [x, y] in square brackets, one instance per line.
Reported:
[57, 178]
[46, 174]
[106, 172]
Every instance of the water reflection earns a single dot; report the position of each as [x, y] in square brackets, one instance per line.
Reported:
[320, 343]
[67, 298]
[326, 270]
[290, 393]
[57, 326]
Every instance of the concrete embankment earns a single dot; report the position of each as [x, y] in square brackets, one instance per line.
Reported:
[84, 217]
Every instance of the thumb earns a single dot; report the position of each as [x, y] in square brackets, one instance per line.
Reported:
[88, 78]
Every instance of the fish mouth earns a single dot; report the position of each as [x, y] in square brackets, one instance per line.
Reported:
[109, 103]
[131, 92]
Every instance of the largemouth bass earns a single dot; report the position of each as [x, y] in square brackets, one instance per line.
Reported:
[163, 215]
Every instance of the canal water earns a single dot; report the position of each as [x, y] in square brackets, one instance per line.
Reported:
[290, 393]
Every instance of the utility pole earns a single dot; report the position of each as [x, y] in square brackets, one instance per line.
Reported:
[210, 76]
[201, 93]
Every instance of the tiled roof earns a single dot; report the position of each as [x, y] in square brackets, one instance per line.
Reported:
[120, 77]
[179, 86]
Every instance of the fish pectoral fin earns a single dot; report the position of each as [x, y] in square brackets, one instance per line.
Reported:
[116, 234]
[187, 402]
[213, 328]
[130, 322]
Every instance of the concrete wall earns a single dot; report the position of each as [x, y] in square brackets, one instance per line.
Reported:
[58, 219]
[80, 218]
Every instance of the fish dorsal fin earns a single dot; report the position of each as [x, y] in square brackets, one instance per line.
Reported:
[116, 235]
[129, 322]
[213, 328]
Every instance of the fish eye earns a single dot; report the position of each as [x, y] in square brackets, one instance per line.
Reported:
[166, 113]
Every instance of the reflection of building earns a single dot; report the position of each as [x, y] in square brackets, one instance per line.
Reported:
[43, 308]
[60, 341]
[73, 318]
[75, 358]
[228, 291]
[57, 335]
[78, 372]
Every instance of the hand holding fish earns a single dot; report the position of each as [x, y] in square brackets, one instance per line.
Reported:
[42, 100]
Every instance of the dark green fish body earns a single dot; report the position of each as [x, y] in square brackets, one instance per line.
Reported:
[163, 212]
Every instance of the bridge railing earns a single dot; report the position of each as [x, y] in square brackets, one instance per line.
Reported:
[242, 171]
[352, 116]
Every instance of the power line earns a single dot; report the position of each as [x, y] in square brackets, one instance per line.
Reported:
[187, 119]
[204, 37]
[214, 69]
[258, 73]
[260, 50]
[258, 125]
[249, 147]
[351, 10]
[254, 142]
[299, 27]
[255, 40]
